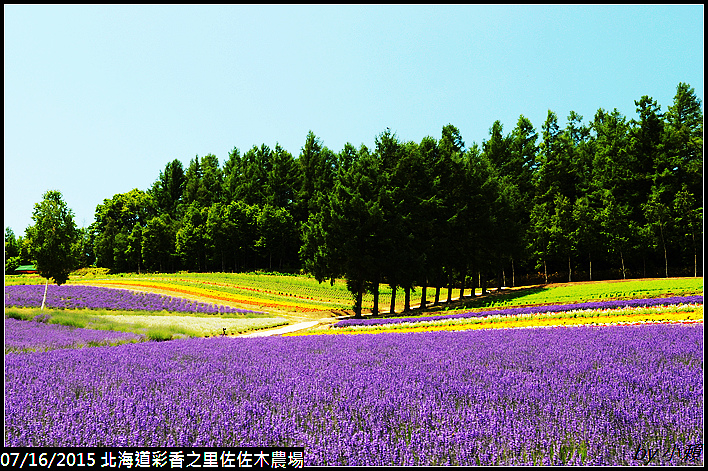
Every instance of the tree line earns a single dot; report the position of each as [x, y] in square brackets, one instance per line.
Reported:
[614, 197]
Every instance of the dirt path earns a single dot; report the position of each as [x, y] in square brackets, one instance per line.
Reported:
[281, 330]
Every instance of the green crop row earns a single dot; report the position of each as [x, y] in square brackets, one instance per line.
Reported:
[155, 325]
[585, 292]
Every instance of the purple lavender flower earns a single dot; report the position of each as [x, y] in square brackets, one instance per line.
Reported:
[516, 311]
[581, 396]
[94, 297]
[28, 335]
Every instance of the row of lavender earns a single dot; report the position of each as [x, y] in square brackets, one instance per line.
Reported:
[94, 297]
[21, 336]
[589, 395]
[530, 310]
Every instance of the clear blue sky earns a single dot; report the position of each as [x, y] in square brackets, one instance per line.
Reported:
[98, 99]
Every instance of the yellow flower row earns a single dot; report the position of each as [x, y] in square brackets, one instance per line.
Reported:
[207, 293]
[619, 318]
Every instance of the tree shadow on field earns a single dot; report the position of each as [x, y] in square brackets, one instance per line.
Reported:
[493, 299]
[496, 298]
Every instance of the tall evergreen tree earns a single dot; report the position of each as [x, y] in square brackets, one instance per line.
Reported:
[393, 262]
[233, 176]
[356, 220]
[684, 143]
[168, 189]
[646, 149]
[211, 182]
[283, 179]
[317, 169]
[555, 185]
[192, 183]
[448, 184]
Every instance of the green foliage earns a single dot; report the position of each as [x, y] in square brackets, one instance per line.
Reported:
[115, 220]
[157, 243]
[11, 264]
[52, 238]
[275, 233]
[167, 190]
[190, 241]
[356, 221]
[613, 196]
[13, 246]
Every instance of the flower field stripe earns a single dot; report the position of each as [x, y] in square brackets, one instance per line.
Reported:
[201, 326]
[214, 294]
[260, 289]
[94, 297]
[688, 315]
[583, 396]
[530, 310]
[23, 336]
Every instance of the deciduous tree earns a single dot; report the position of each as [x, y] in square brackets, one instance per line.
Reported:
[52, 239]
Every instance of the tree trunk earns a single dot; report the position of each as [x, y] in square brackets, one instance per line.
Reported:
[624, 274]
[423, 301]
[359, 296]
[663, 244]
[695, 258]
[437, 294]
[499, 278]
[644, 266]
[392, 309]
[590, 260]
[375, 309]
[46, 285]
[545, 270]
[462, 288]
[570, 270]
[474, 282]
[449, 289]
[513, 274]
[483, 282]
[407, 299]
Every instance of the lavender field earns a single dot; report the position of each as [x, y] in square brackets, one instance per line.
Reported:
[22, 336]
[94, 297]
[584, 395]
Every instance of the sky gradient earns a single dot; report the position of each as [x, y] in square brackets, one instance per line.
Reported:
[98, 99]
